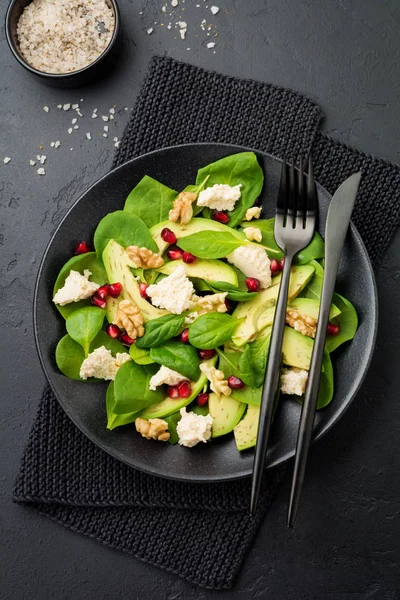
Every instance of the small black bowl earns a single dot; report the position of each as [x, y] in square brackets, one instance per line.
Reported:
[78, 78]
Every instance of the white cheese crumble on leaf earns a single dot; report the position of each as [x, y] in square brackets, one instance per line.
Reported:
[173, 292]
[293, 381]
[220, 196]
[165, 376]
[101, 364]
[252, 213]
[193, 428]
[76, 287]
[253, 234]
[253, 261]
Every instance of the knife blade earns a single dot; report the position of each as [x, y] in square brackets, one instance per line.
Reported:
[337, 224]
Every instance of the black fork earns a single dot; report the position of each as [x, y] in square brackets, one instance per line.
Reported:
[295, 221]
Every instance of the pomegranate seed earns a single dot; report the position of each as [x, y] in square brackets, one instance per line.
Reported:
[202, 399]
[220, 216]
[333, 329]
[185, 336]
[114, 289]
[275, 267]
[282, 263]
[235, 383]
[113, 331]
[253, 284]
[143, 290]
[97, 301]
[184, 389]
[168, 236]
[173, 392]
[228, 305]
[125, 339]
[175, 253]
[103, 292]
[189, 258]
[206, 354]
[82, 248]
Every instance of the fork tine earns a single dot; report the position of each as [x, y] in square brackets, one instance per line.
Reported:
[311, 193]
[282, 203]
[292, 192]
[301, 202]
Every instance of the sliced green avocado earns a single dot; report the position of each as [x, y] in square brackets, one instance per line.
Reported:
[245, 431]
[304, 306]
[168, 406]
[194, 226]
[210, 270]
[226, 413]
[118, 268]
[296, 349]
[252, 309]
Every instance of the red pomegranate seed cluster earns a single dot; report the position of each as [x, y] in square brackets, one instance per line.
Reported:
[253, 284]
[175, 253]
[109, 289]
[125, 339]
[235, 383]
[182, 390]
[82, 248]
[185, 336]
[189, 258]
[333, 329]
[202, 399]
[220, 216]
[113, 331]
[168, 236]
[277, 266]
[206, 354]
[143, 290]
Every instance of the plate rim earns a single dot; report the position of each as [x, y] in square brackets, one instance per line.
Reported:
[367, 356]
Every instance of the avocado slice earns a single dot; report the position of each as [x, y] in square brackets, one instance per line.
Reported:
[194, 226]
[168, 406]
[118, 268]
[209, 270]
[296, 349]
[226, 413]
[305, 306]
[252, 309]
[245, 431]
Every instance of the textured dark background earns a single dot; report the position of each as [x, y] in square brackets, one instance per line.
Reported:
[346, 56]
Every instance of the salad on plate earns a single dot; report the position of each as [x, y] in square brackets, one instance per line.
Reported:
[175, 303]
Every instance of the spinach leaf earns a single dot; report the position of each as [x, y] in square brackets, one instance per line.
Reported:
[259, 355]
[199, 410]
[266, 226]
[229, 363]
[236, 294]
[150, 200]
[80, 263]
[140, 355]
[347, 321]
[114, 420]
[248, 395]
[158, 331]
[314, 250]
[131, 388]
[102, 339]
[84, 324]
[325, 393]
[196, 189]
[314, 288]
[212, 330]
[172, 421]
[211, 244]
[238, 168]
[179, 357]
[126, 229]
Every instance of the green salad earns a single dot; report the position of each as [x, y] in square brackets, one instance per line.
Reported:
[175, 303]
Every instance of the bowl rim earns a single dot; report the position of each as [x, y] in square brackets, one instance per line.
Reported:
[59, 76]
[358, 380]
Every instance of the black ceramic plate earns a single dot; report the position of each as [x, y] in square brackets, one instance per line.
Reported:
[85, 402]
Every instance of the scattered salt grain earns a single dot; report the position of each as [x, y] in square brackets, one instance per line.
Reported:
[115, 139]
[75, 106]
[46, 108]
[117, 144]
[203, 24]
[214, 10]
[169, 25]
[41, 171]
[105, 128]
[95, 110]
[88, 136]
[112, 111]
[52, 144]
[57, 144]
[164, 9]
[174, 3]
[105, 118]
[182, 29]
[210, 44]
[94, 116]
[111, 117]
[59, 105]
[32, 163]
[70, 130]
[78, 112]
[6, 160]
[150, 31]
[104, 135]
[76, 126]
[74, 121]
[66, 106]
[42, 159]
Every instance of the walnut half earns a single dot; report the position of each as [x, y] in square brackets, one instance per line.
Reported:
[130, 318]
[153, 429]
[182, 208]
[144, 258]
[302, 323]
[218, 383]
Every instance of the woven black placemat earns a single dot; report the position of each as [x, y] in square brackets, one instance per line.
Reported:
[67, 477]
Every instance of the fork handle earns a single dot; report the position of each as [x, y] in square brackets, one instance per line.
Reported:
[271, 383]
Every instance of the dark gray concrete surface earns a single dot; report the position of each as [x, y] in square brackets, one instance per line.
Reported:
[345, 54]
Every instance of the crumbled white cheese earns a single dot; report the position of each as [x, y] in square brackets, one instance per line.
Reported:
[46, 108]
[66, 106]
[6, 160]
[220, 196]
[88, 136]
[211, 45]
[252, 213]
[253, 234]
[76, 287]
[150, 31]
[193, 428]
[253, 261]
[101, 364]
[293, 381]
[166, 376]
[214, 10]
[41, 171]
[173, 292]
